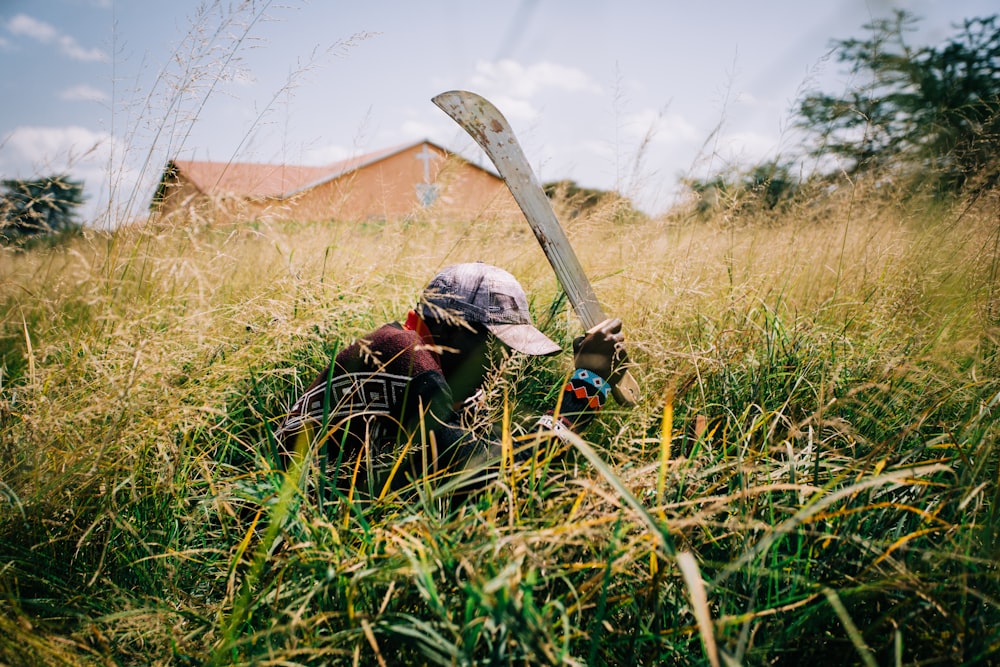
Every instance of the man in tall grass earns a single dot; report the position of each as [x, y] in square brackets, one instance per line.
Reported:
[395, 404]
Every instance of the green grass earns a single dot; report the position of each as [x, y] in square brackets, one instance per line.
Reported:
[812, 472]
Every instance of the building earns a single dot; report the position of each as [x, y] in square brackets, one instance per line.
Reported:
[419, 179]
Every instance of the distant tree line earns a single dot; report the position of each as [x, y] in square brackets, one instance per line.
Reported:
[928, 117]
[579, 200]
[768, 185]
[30, 209]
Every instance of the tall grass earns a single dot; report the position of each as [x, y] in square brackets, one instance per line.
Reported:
[812, 472]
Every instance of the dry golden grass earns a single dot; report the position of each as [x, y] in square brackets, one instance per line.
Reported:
[827, 345]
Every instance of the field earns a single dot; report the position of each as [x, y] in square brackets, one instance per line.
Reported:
[810, 478]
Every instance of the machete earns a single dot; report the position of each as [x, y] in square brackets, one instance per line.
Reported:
[487, 126]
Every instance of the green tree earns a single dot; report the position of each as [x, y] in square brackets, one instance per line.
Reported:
[580, 200]
[933, 110]
[40, 206]
[767, 185]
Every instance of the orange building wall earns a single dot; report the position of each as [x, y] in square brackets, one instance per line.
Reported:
[388, 190]
[185, 202]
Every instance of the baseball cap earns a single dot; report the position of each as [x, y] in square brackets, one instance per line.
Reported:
[484, 294]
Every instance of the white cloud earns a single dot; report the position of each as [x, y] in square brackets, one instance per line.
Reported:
[746, 147]
[46, 33]
[84, 93]
[412, 129]
[40, 151]
[666, 128]
[515, 109]
[520, 81]
[602, 149]
[758, 104]
[77, 52]
[23, 24]
[57, 145]
[511, 85]
[322, 155]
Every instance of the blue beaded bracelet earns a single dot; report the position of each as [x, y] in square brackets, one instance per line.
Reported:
[588, 386]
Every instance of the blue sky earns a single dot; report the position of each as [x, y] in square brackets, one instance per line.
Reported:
[615, 94]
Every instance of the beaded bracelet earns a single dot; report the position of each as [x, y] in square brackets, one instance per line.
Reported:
[559, 427]
[588, 386]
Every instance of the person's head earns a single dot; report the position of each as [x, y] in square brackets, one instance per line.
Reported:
[463, 306]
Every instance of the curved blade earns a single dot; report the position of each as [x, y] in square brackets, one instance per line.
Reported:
[488, 127]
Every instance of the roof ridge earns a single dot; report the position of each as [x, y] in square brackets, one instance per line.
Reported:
[280, 179]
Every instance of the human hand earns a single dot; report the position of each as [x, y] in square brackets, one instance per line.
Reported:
[601, 349]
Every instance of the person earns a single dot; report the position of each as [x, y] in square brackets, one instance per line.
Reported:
[391, 408]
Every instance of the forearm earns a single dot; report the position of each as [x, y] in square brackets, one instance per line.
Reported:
[583, 395]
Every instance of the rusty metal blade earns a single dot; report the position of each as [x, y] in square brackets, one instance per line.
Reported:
[488, 127]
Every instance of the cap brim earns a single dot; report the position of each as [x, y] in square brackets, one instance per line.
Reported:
[524, 338]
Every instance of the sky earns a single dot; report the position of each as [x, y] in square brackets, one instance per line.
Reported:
[626, 95]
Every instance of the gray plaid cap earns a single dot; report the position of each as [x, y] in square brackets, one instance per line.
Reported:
[484, 294]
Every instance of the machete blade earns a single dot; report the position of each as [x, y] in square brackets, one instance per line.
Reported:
[488, 127]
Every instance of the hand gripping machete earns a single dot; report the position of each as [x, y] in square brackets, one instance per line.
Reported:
[492, 132]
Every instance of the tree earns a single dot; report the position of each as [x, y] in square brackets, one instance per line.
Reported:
[934, 110]
[767, 185]
[579, 200]
[41, 206]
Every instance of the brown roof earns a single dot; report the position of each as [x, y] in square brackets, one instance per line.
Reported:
[250, 179]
